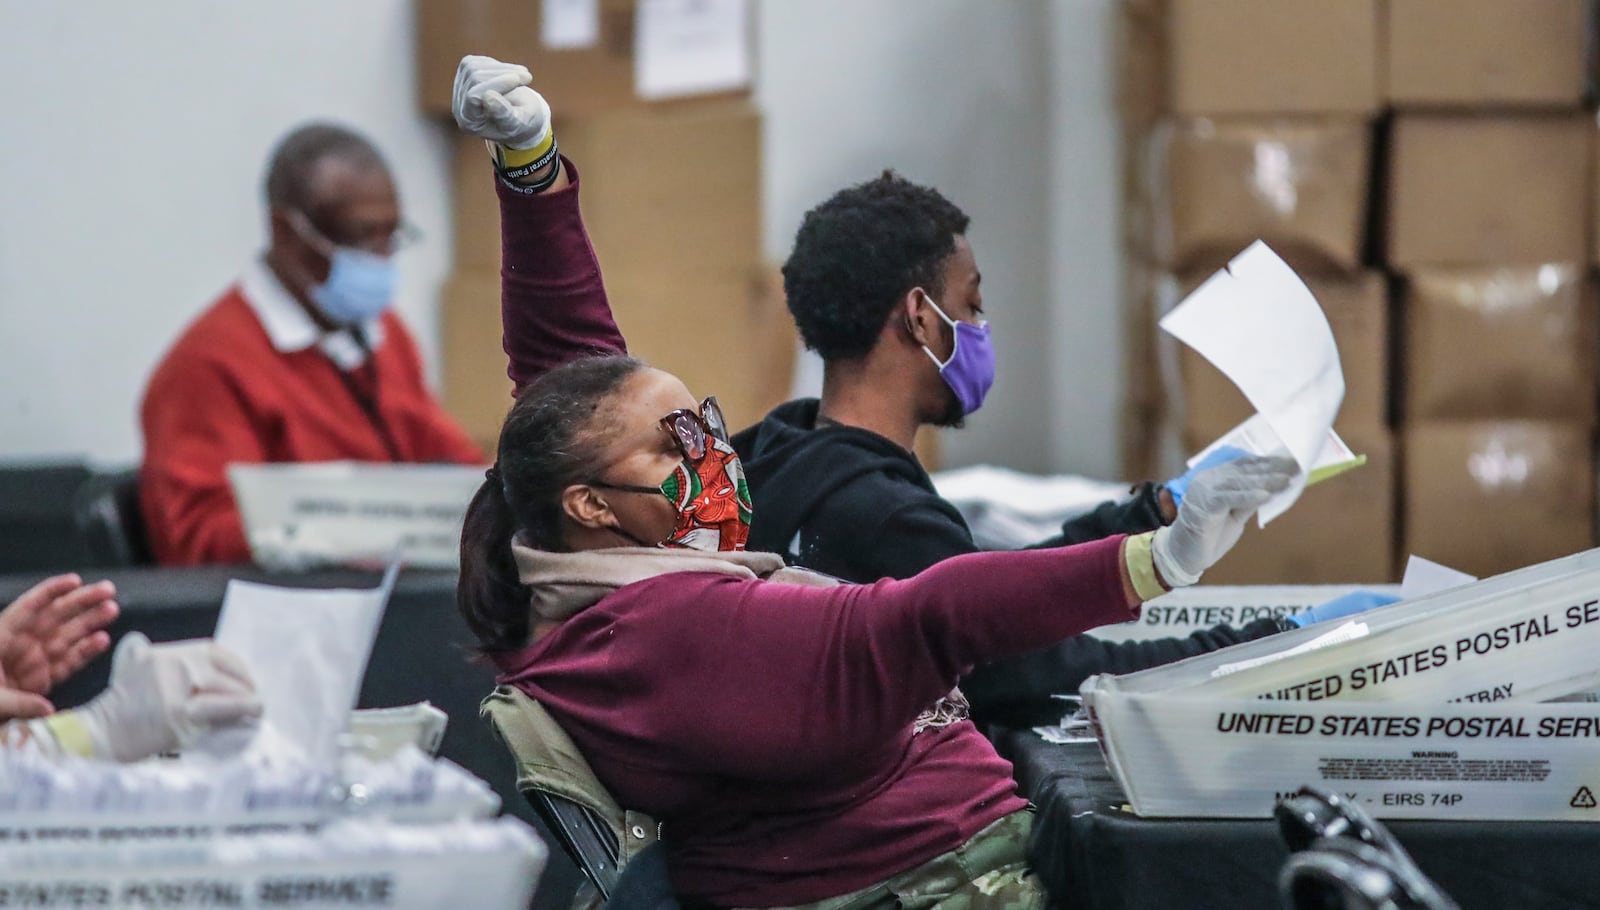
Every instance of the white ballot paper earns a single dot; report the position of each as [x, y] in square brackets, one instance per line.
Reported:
[1258, 323]
[299, 516]
[307, 650]
[689, 47]
[1424, 577]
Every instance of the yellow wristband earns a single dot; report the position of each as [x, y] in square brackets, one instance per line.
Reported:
[510, 158]
[1141, 563]
[70, 733]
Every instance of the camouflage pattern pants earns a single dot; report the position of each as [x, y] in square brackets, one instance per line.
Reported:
[988, 872]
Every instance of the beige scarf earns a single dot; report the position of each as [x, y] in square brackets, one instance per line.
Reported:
[565, 584]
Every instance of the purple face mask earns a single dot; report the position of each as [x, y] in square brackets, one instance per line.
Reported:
[970, 370]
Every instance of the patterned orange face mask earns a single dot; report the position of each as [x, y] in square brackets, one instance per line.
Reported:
[712, 500]
[707, 489]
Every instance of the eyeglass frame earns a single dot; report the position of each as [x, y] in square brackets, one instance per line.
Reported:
[406, 235]
[709, 421]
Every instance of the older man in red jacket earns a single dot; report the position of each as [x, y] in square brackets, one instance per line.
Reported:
[300, 360]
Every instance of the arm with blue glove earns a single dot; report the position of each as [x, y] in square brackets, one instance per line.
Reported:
[1179, 485]
[1340, 607]
[1151, 506]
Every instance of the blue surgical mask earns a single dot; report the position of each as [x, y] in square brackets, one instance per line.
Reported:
[360, 286]
[360, 283]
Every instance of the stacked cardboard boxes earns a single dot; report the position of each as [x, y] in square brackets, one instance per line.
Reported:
[671, 196]
[1489, 198]
[1247, 119]
[1428, 167]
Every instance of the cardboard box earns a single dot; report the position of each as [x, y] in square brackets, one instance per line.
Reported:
[668, 192]
[1511, 342]
[1486, 53]
[1341, 531]
[584, 80]
[1486, 497]
[728, 336]
[1302, 186]
[1220, 57]
[1468, 190]
[1144, 393]
[1357, 308]
[474, 386]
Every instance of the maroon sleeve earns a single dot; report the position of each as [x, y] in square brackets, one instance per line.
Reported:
[823, 672]
[553, 305]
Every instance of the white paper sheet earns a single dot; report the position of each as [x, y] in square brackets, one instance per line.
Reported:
[1257, 437]
[1350, 631]
[1424, 577]
[1259, 324]
[307, 650]
[569, 24]
[690, 47]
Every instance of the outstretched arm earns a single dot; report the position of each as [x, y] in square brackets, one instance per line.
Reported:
[553, 305]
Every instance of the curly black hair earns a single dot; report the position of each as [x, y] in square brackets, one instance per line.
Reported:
[858, 253]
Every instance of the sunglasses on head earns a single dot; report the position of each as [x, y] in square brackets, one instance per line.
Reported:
[689, 429]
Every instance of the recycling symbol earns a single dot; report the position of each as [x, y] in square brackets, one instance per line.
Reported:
[1583, 799]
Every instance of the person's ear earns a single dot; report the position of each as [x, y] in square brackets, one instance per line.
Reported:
[919, 322]
[585, 506]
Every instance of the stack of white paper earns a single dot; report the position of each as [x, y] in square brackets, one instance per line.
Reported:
[298, 516]
[1433, 707]
[296, 811]
[1008, 509]
[353, 863]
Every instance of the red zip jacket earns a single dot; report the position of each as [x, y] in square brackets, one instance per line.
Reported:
[225, 394]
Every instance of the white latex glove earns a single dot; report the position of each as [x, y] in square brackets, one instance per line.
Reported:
[1213, 515]
[492, 100]
[164, 697]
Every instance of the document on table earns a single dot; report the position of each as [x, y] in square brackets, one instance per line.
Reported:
[1259, 324]
[307, 651]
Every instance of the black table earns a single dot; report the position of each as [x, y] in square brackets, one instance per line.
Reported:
[1091, 852]
[423, 652]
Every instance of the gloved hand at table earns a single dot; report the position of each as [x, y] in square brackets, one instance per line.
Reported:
[1339, 607]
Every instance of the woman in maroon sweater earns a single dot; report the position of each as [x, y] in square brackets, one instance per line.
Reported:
[798, 738]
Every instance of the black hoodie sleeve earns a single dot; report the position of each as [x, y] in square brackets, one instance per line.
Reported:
[1016, 692]
[1135, 515]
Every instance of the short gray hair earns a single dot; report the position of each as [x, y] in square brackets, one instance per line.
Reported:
[294, 161]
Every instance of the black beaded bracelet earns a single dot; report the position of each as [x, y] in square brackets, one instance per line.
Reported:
[530, 189]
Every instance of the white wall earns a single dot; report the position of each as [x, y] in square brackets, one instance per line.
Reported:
[1086, 357]
[131, 150]
[135, 134]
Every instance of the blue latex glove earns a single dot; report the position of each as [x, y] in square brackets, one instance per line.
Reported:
[1348, 605]
[1178, 486]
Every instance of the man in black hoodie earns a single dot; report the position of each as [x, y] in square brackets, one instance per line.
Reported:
[883, 285]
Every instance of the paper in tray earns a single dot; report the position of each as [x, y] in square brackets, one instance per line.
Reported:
[486, 863]
[1231, 757]
[1526, 635]
[1433, 713]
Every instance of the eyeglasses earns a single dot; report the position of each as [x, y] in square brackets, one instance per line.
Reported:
[407, 234]
[689, 429]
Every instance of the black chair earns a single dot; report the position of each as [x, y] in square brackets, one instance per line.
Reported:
[106, 510]
[38, 533]
[1344, 860]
